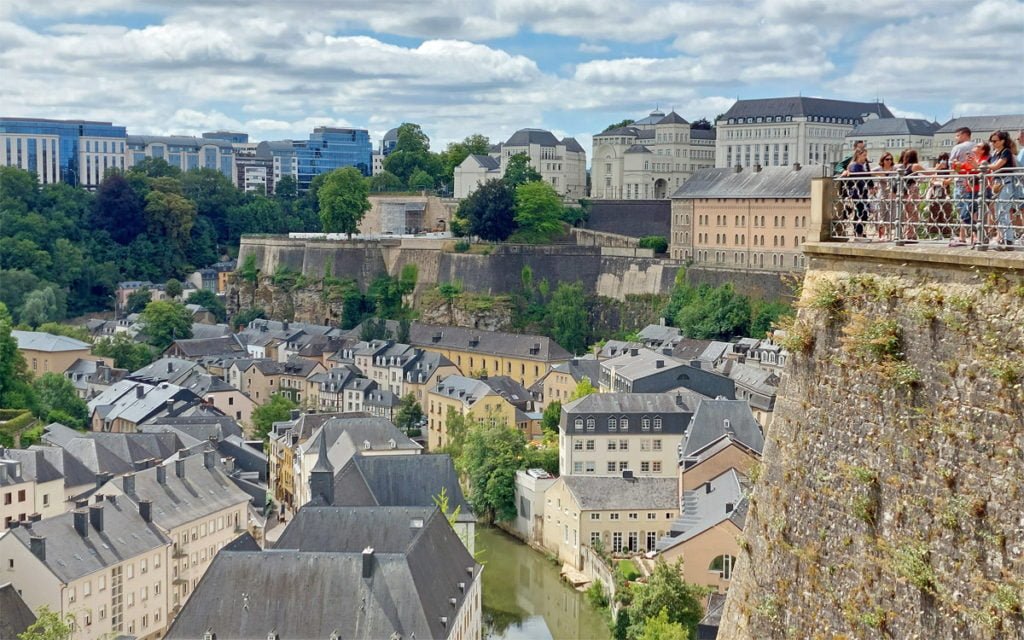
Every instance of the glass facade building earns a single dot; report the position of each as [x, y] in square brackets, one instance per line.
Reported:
[184, 152]
[330, 148]
[77, 152]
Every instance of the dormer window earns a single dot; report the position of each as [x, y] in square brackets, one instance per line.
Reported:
[657, 423]
[645, 424]
[578, 423]
[366, 445]
[591, 423]
[624, 423]
[613, 423]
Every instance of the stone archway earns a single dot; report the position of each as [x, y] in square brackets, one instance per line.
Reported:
[660, 189]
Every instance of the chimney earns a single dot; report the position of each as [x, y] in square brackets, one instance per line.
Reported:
[729, 507]
[3, 472]
[284, 325]
[634, 352]
[209, 459]
[182, 453]
[679, 400]
[161, 474]
[96, 516]
[170, 367]
[737, 169]
[146, 510]
[796, 166]
[695, 364]
[757, 168]
[659, 364]
[128, 481]
[707, 487]
[367, 562]
[229, 464]
[101, 479]
[35, 517]
[179, 468]
[81, 504]
[139, 391]
[38, 546]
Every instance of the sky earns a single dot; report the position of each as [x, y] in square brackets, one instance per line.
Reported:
[458, 67]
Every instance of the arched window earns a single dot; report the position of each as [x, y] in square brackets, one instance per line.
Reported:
[624, 423]
[591, 423]
[645, 423]
[613, 423]
[578, 423]
[722, 565]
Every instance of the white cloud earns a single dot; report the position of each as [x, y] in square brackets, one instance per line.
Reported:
[586, 47]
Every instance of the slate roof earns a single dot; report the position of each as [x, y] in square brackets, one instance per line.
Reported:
[491, 342]
[1009, 123]
[652, 118]
[643, 364]
[625, 403]
[672, 118]
[515, 393]
[894, 127]
[70, 556]
[121, 400]
[178, 501]
[687, 349]
[805, 106]
[308, 423]
[486, 162]
[594, 493]
[638, 148]
[34, 465]
[15, 615]
[703, 509]
[572, 146]
[198, 427]
[619, 131]
[348, 436]
[468, 390]
[74, 471]
[580, 368]
[38, 341]
[249, 594]
[526, 137]
[166, 369]
[703, 134]
[718, 419]
[400, 481]
[206, 331]
[658, 333]
[337, 529]
[769, 182]
[220, 346]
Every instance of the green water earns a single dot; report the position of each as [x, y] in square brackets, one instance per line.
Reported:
[524, 599]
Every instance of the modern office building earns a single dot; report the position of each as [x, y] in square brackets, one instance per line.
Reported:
[234, 137]
[330, 148]
[184, 152]
[77, 152]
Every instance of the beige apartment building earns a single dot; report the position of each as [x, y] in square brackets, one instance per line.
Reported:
[625, 515]
[29, 485]
[47, 353]
[195, 505]
[105, 564]
[468, 397]
[743, 219]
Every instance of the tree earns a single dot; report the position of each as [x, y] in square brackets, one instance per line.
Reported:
[543, 457]
[373, 329]
[40, 306]
[138, 299]
[715, 314]
[410, 413]
[568, 317]
[127, 353]
[119, 209]
[489, 459]
[519, 171]
[412, 152]
[173, 288]
[277, 409]
[490, 211]
[49, 625]
[658, 243]
[616, 125]
[551, 418]
[420, 180]
[58, 401]
[243, 318]
[155, 168]
[287, 188]
[66, 330]
[213, 194]
[583, 389]
[166, 321]
[209, 301]
[170, 216]
[661, 628]
[15, 391]
[538, 212]
[456, 152]
[386, 181]
[343, 201]
[441, 502]
[703, 123]
[666, 591]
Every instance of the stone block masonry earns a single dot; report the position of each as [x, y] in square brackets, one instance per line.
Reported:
[888, 503]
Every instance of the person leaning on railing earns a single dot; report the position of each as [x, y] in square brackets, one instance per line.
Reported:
[937, 196]
[857, 190]
[963, 193]
[909, 165]
[1003, 188]
[886, 191]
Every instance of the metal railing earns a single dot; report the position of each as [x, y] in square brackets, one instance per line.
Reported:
[981, 209]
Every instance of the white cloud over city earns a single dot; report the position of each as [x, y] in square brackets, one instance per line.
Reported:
[573, 66]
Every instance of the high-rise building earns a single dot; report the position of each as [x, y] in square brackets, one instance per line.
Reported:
[184, 152]
[77, 152]
[330, 148]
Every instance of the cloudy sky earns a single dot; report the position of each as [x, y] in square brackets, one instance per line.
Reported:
[457, 67]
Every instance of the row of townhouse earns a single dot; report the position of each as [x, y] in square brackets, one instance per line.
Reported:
[125, 561]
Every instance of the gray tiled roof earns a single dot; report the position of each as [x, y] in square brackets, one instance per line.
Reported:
[247, 594]
[644, 363]
[70, 556]
[400, 481]
[343, 528]
[121, 400]
[34, 465]
[199, 427]
[347, 436]
[74, 471]
[487, 162]
[526, 137]
[703, 134]
[703, 509]
[894, 127]
[166, 369]
[625, 403]
[572, 146]
[717, 419]
[491, 342]
[804, 106]
[638, 148]
[594, 493]
[219, 346]
[15, 615]
[38, 341]
[672, 118]
[1010, 123]
[619, 131]
[687, 349]
[769, 182]
[515, 393]
[463, 388]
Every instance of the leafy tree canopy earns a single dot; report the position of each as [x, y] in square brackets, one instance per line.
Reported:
[666, 591]
[138, 299]
[49, 625]
[456, 152]
[539, 212]
[58, 401]
[622, 123]
[209, 301]
[568, 317]
[343, 201]
[166, 321]
[409, 413]
[490, 211]
[127, 353]
[15, 391]
[519, 171]
[583, 389]
[489, 459]
[552, 416]
[277, 409]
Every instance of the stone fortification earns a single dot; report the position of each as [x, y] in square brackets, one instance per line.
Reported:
[889, 500]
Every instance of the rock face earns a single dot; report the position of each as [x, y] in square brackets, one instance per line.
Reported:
[889, 500]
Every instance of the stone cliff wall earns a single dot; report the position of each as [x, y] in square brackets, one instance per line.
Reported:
[889, 498]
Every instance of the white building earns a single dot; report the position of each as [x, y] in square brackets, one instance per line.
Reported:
[649, 158]
[561, 163]
[184, 152]
[893, 135]
[774, 132]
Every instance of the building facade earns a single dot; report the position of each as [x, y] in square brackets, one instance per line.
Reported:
[561, 163]
[649, 158]
[330, 148]
[893, 135]
[775, 132]
[48, 353]
[184, 152]
[76, 152]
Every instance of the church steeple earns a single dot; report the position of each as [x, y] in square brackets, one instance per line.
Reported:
[321, 478]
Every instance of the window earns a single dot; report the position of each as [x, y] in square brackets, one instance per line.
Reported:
[589, 466]
[102, 583]
[634, 516]
[71, 594]
[577, 467]
[595, 538]
[156, 561]
[623, 465]
[577, 445]
[645, 424]
[591, 424]
[46, 499]
[623, 445]
[612, 423]
[612, 445]
[131, 571]
[652, 540]
[590, 445]
[656, 466]
[624, 423]
[657, 423]
[595, 516]
[645, 467]
[156, 589]
[722, 565]
[21, 495]
[645, 445]
[103, 612]
[652, 515]
[657, 444]
[611, 467]
[142, 566]
[617, 542]
[578, 423]
[613, 516]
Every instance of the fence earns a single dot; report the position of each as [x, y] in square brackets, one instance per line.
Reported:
[982, 209]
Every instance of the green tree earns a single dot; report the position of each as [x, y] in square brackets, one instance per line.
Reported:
[410, 413]
[343, 201]
[166, 321]
[583, 389]
[170, 216]
[155, 168]
[551, 418]
[119, 209]
[15, 390]
[213, 194]
[58, 401]
[715, 314]
[456, 152]
[173, 288]
[287, 188]
[243, 318]
[250, 274]
[209, 301]
[568, 317]
[49, 625]
[127, 353]
[766, 314]
[519, 171]
[277, 409]
[661, 628]
[421, 180]
[489, 459]
[666, 591]
[412, 153]
[40, 306]
[543, 457]
[490, 211]
[386, 181]
[621, 123]
[441, 501]
[658, 243]
[138, 299]
[538, 212]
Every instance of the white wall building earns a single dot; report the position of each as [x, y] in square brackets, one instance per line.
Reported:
[561, 163]
[184, 152]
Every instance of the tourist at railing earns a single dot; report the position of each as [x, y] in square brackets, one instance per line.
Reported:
[1003, 188]
[963, 193]
[909, 165]
[857, 190]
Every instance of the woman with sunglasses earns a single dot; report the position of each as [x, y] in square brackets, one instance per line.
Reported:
[886, 193]
[1002, 159]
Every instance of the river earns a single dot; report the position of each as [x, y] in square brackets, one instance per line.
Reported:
[524, 598]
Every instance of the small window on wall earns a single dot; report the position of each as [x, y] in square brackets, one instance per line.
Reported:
[722, 565]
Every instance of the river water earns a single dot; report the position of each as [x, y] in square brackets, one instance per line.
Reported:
[524, 598]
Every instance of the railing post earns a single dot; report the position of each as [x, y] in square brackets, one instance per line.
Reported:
[901, 206]
[982, 234]
[824, 195]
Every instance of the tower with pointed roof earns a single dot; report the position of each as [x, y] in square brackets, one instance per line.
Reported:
[321, 478]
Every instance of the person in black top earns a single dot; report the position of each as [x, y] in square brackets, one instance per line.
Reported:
[1002, 159]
